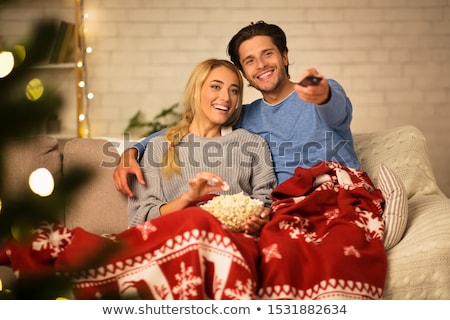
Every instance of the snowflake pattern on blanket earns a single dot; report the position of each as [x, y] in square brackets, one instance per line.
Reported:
[184, 255]
[324, 240]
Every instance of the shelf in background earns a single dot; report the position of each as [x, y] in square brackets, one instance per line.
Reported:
[69, 65]
[66, 134]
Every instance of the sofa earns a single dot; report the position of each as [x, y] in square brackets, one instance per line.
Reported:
[418, 251]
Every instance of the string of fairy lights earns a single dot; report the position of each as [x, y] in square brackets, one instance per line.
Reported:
[82, 92]
[35, 87]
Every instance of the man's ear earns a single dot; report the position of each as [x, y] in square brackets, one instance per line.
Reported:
[285, 58]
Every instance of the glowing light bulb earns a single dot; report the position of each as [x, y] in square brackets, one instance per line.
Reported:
[6, 63]
[41, 182]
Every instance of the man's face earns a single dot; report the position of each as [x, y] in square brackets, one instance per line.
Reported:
[262, 63]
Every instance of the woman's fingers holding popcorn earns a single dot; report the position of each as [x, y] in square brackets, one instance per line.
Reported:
[264, 214]
[204, 183]
[256, 222]
[212, 180]
[254, 226]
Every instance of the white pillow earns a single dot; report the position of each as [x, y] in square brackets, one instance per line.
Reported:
[395, 213]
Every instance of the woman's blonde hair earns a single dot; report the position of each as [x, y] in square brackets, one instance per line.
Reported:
[191, 104]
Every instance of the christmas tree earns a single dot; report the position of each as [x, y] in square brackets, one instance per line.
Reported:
[25, 106]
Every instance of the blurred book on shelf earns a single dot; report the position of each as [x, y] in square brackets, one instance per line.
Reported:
[63, 50]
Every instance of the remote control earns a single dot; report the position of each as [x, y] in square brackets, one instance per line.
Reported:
[310, 81]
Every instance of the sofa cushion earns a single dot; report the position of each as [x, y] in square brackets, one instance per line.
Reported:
[404, 151]
[97, 207]
[395, 212]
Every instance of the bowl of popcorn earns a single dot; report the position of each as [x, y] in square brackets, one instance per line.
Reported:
[233, 210]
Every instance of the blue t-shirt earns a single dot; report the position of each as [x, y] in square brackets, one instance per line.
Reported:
[300, 133]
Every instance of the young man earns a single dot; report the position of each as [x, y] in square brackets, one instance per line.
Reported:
[303, 124]
[324, 238]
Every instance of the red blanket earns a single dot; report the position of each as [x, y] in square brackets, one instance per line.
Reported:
[325, 237]
[324, 241]
[184, 255]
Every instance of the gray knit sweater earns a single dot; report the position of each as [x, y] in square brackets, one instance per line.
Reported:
[241, 158]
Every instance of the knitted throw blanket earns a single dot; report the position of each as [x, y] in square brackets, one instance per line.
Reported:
[324, 240]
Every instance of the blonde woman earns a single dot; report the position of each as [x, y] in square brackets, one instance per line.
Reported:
[201, 156]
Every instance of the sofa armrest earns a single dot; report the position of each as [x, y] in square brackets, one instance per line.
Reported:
[97, 207]
[419, 265]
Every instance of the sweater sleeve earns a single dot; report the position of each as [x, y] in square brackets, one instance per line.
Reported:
[337, 112]
[263, 174]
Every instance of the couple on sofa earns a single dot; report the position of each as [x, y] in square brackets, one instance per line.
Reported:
[318, 234]
[329, 211]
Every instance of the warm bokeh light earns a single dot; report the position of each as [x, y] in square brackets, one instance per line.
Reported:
[3, 293]
[6, 63]
[21, 229]
[34, 89]
[84, 132]
[19, 53]
[41, 182]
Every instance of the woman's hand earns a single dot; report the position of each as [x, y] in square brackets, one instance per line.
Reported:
[202, 184]
[205, 183]
[255, 223]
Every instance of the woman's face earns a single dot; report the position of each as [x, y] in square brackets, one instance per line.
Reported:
[219, 96]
